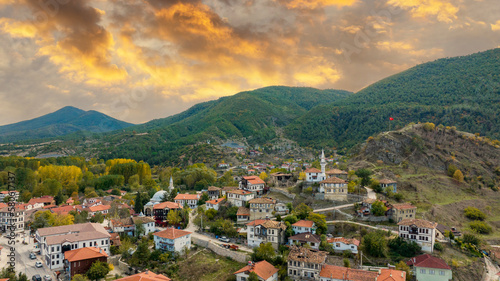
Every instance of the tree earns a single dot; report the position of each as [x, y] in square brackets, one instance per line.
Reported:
[404, 248]
[302, 211]
[59, 198]
[173, 217]
[347, 263]
[480, 227]
[98, 217]
[364, 174]
[378, 208]
[139, 205]
[458, 176]
[79, 277]
[142, 253]
[263, 176]
[139, 229]
[98, 270]
[253, 276]
[265, 251]
[374, 244]
[404, 267]
[320, 221]
[204, 198]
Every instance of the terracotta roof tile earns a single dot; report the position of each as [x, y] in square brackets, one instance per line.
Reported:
[403, 206]
[333, 180]
[213, 188]
[336, 172]
[344, 273]
[254, 180]
[242, 211]
[346, 241]
[216, 201]
[84, 254]
[268, 224]
[307, 237]
[313, 170]
[240, 192]
[428, 261]
[263, 269]
[170, 205]
[391, 275]
[304, 223]
[262, 200]
[145, 276]
[171, 233]
[386, 181]
[187, 197]
[306, 255]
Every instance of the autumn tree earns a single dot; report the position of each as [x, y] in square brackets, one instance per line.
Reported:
[404, 267]
[458, 176]
[378, 208]
[97, 270]
[173, 217]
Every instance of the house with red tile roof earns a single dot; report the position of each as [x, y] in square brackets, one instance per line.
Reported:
[172, 240]
[239, 197]
[263, 231]
[103, 209]
[145, 276]
[427, 267]
[261, 208]
[64, 210]
[42, 201]
[305, 263]
[264, 270]
[336, 173]
[11, 193]
[399, 212]
[336, 273]
[243, 214]
[333, 188]
[341, 244]
[304, 226]
[253, 184]
[191, 200]
[160, 210]
[215, 203]
[79, 261]
[301, 239]
[388, 184]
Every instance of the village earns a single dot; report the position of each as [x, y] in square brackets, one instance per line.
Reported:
[239, 222]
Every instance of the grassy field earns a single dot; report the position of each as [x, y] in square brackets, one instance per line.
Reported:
[206, 266]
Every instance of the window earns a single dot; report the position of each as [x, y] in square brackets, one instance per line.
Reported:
[431, 271]
[83, 244]
[422, 271]
[52, 249]
[441, 272]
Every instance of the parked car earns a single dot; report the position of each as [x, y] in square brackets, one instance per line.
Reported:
[47, 278]
[37, 278]
[38, 264]
[224, 239]
[32, 256]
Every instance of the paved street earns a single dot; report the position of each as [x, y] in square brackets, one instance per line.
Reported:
[23, 263]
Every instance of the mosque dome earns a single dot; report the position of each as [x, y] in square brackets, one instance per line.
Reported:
[159, 196]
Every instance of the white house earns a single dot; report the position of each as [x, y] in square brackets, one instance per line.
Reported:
[253, 184]
[103, 209]
[172, 240]
[148, 224]
[215, 204]
[339, 273]
[388, 184]
[239, 197]
[12, 193]
[421, 231]
[9, 217]
[191, 200]
[243, 214]
[426, 267]
[54, 241]
[341, 244]
[264, 270]
[334, 188]
[304, 226]
[263, 231]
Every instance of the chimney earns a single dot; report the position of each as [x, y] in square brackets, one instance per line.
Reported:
[100, 250]
[147, 271]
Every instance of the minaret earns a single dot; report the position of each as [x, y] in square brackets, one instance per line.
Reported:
[323, 164]
[171, 185]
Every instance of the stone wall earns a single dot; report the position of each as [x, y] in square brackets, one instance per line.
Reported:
[235, 255]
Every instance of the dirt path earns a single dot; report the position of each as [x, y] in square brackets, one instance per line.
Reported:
[491, 270]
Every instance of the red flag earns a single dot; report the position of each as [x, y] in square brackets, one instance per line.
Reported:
[390, 118]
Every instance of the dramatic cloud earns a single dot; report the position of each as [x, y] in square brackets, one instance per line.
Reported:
[137, 60]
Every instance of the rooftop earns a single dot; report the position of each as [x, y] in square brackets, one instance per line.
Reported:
[306, 255]
[333, 180]
[313, 170]
[307, 237]
[254, 180]
[403, 206]
[145, 276]
[216, 201]
[345, 273]
[418, 222]
[187, 197]
[171, 233]
[242, 211]
[346, 241]
[268, 224]
[304, 223]
[170, 205]
[428, 261]
[263, 269]
[336, 172]
[262, 200]
[213, 188]
[84, 254]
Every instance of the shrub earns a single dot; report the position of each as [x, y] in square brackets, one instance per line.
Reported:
[438, 246]
[471, 239]
[429, 126]
[404, 248]
[474, 214]
[458, 176]
[347, 263]
[480, 227]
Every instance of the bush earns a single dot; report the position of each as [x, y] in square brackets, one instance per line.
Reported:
[347, 254]
[347, 263]
[438, 246]
[374, 244]
[404, 248]
[429, 126]
[474, 214]
[480, 227]
[471, 239]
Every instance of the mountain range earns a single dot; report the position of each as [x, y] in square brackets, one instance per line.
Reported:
[460, 91]
[61, 122]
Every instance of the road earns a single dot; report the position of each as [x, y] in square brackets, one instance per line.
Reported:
[23, 263]
[362, 224]
[335, 207]
[491, 270]
[370, 193]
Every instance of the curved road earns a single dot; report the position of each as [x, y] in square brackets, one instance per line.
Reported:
[362, 224]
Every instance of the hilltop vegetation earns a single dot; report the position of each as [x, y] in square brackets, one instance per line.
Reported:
[460, 91]
[424, 159]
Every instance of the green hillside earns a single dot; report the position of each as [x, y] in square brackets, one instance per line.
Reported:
[254, 115]
[64, 121]
[462, 91]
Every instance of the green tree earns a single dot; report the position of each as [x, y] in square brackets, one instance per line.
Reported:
[374, 244]
[404, 267]
[480, 227]
[320, 221]
[378, 208]
[173, 217]
[365, 176]
[98, 270]
[253, 276]
[139, 205]
[139, 229]
[265, 251]
[302, 211]
[404, 248]
[474, 214]
[458, 176]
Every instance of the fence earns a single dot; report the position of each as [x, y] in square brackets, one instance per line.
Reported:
[237, 256]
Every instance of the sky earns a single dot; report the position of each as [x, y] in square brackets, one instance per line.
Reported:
[138, 60]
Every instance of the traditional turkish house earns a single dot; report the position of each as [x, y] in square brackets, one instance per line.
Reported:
[12, 193]
[239, 197]
[280, 179]
[214, 192]
[55, 241]
[334, 189]
[341, 244]
[261, 208]
[172, 240]
[243, 214]
[79, 261]
[122, 226]
[148, 224]
[264, 270]
[160, 211]
[253, 184]
[388, 184]
[215, 204]
[301, 239]
[42, 201]
[191, 200]
[263, 231]
[305, 263]
[421, 231]
[7, 219]
[339, 273]
[399, 212]
[303, 226]
[226, 189]
[426, 267]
